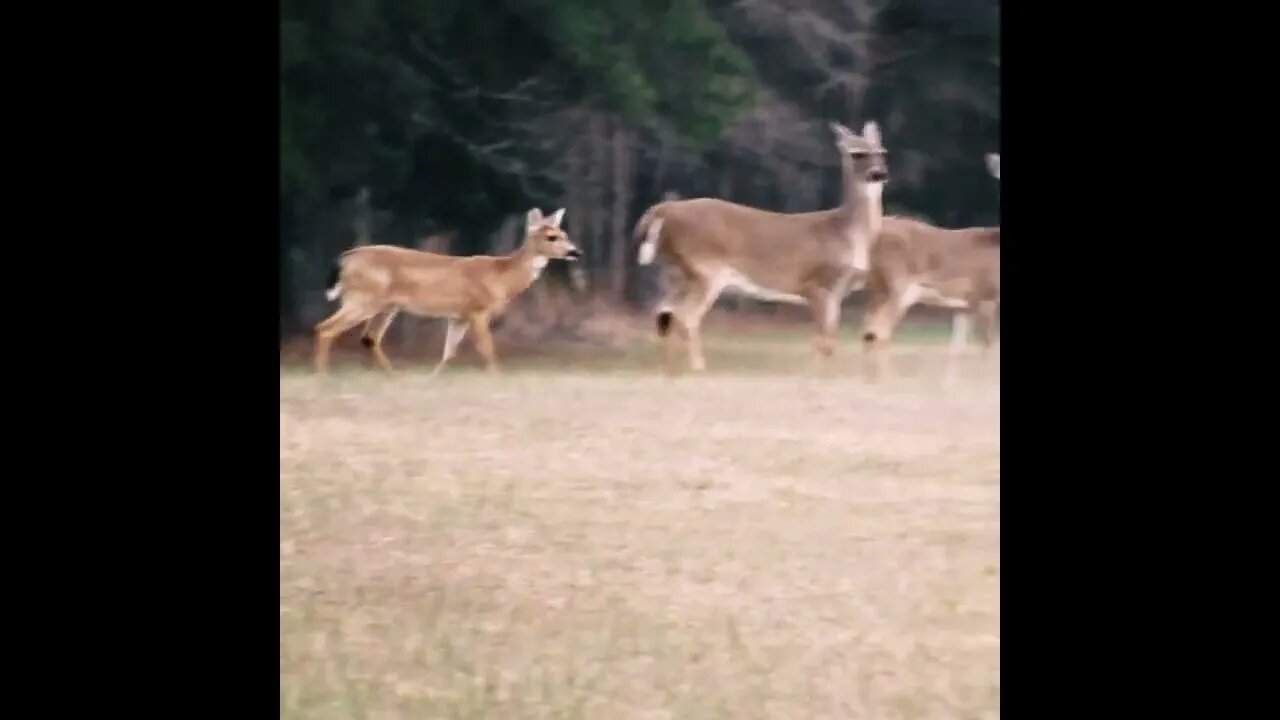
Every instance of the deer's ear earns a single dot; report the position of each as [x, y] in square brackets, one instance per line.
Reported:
[533, 219]
[993, 164]
[871, 132]
[843, 133]
[556, 217]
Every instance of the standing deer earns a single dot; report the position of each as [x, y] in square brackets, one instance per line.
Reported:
[382, 280]
[806, 258]
[916, 262]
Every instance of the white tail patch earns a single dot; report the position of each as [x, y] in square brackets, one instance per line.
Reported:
[649, 248]
[333, 292]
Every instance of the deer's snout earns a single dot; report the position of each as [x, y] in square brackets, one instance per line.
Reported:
[573, 254]
[878, 175]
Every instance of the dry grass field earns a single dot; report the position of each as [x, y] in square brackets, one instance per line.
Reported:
[581, 537]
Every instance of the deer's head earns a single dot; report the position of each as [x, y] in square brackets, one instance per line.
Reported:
[544, 236]
[866, 152]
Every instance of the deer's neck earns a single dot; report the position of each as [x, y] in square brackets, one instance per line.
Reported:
[523, 267]
[863, 205]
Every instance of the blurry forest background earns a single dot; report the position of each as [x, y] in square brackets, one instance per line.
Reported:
[438, 123]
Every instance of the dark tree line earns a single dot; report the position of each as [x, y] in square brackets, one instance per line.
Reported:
[438, 123]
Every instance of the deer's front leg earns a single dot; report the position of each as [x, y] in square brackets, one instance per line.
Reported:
[825, 306]
[482, 339]
[986, 312]
[456, 330]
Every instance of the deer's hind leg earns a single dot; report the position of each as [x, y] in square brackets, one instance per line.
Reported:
[887, 303]
[665, 317]
[702, 296]
[876, 329]
[374, 330]
[686, 313]
[345, 318]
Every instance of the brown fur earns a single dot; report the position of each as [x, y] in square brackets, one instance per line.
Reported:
[378, 281]
[915, 262]
[808, 258]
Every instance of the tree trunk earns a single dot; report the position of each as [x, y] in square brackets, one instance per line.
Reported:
[623, 169]
[599, 155]
[362, 220]
[289, 322]
[577, 203]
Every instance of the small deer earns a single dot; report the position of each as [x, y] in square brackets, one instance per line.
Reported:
[810, 258]
[916, 262]
[376, 282]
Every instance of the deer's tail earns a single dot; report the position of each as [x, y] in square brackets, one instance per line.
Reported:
[333, 286]
[650, 224]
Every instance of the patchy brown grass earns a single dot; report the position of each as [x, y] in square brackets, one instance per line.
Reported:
[585, 538]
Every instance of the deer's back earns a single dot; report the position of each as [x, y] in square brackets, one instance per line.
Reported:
[967, 259]
[779, 249]
[420, 281]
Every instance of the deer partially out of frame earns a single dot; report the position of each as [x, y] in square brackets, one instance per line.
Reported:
[376, 282]
[915, 262]
[806, 258]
